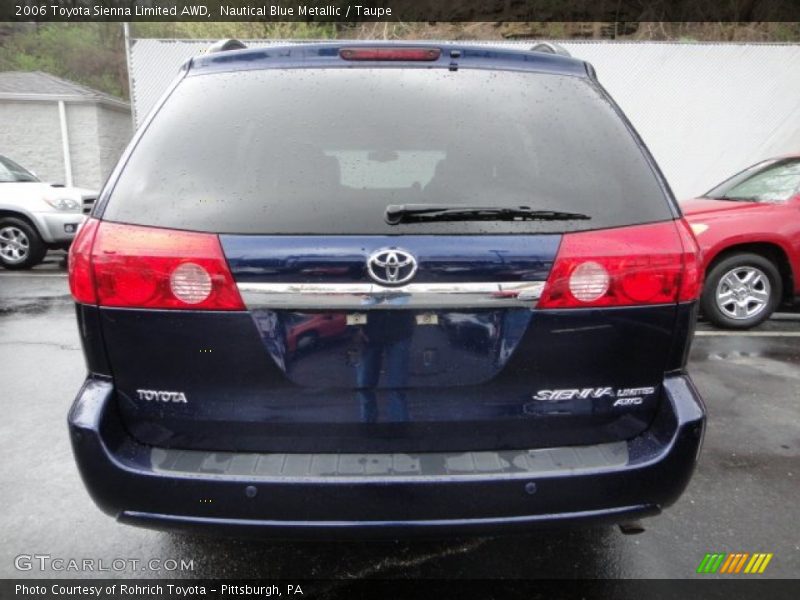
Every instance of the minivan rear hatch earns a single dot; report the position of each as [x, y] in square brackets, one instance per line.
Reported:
[361, 332]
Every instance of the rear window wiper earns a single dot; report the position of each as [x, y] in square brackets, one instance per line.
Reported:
[418, 213]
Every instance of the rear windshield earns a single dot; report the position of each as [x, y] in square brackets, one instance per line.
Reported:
[324, 151]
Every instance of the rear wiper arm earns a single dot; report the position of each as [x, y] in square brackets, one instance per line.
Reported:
[417, 213]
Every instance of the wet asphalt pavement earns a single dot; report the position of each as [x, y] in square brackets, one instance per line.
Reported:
[743, 497]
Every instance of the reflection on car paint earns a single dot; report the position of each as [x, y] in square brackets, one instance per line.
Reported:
[332, 352]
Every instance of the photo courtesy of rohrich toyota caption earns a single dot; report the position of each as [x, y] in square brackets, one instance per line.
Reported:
[313, 299]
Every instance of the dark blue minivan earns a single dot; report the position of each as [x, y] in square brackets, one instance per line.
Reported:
[385, 289]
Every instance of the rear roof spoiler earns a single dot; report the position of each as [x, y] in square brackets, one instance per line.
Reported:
[225, 45]
[550, 48]
[233, 44]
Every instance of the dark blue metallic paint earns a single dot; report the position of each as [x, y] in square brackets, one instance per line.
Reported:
[391, 351]
[261, 409]
[118, 472]
[342, 259]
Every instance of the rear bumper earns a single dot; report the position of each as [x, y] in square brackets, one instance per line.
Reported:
[126, 480]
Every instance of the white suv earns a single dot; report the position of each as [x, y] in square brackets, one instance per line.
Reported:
[36, 216]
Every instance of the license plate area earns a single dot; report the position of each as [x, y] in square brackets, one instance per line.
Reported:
[388, 349]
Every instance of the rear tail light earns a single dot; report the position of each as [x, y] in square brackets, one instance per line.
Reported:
[129, 266]
[692, 282]
[81, 277]
[645, 264]
[409, 54]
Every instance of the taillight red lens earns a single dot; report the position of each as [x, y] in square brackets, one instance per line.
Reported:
[144, 267]
[412, 54]
[692, 282]
[644, 264]
[81, 278]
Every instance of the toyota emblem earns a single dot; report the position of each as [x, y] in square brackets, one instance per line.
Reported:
[390, 266]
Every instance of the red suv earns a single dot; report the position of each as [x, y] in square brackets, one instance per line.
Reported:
[748, 228]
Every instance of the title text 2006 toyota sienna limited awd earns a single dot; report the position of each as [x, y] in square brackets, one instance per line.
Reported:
[385, 289]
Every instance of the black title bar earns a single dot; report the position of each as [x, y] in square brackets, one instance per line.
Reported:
[402, 10]
[436, 589]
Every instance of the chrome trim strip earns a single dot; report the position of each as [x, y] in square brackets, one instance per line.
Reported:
[370, 296]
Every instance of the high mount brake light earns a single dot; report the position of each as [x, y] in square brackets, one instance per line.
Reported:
[142, 267]
[410, 54]
[631, 266]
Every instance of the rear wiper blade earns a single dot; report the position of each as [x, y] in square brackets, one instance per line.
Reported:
[417, 213]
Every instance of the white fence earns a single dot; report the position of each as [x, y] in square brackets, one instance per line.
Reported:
[704, 110]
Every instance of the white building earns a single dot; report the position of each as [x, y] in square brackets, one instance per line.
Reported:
[64, 132]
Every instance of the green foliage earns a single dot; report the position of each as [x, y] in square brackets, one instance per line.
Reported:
[92, 54]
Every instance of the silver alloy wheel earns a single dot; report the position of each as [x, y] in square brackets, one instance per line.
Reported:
[14, 244]
[743, 293]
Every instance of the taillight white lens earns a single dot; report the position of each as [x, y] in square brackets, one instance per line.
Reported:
[190, 283]
[147, 267]
[589, 281]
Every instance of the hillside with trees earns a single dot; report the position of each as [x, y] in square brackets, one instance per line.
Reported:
[93, 54]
